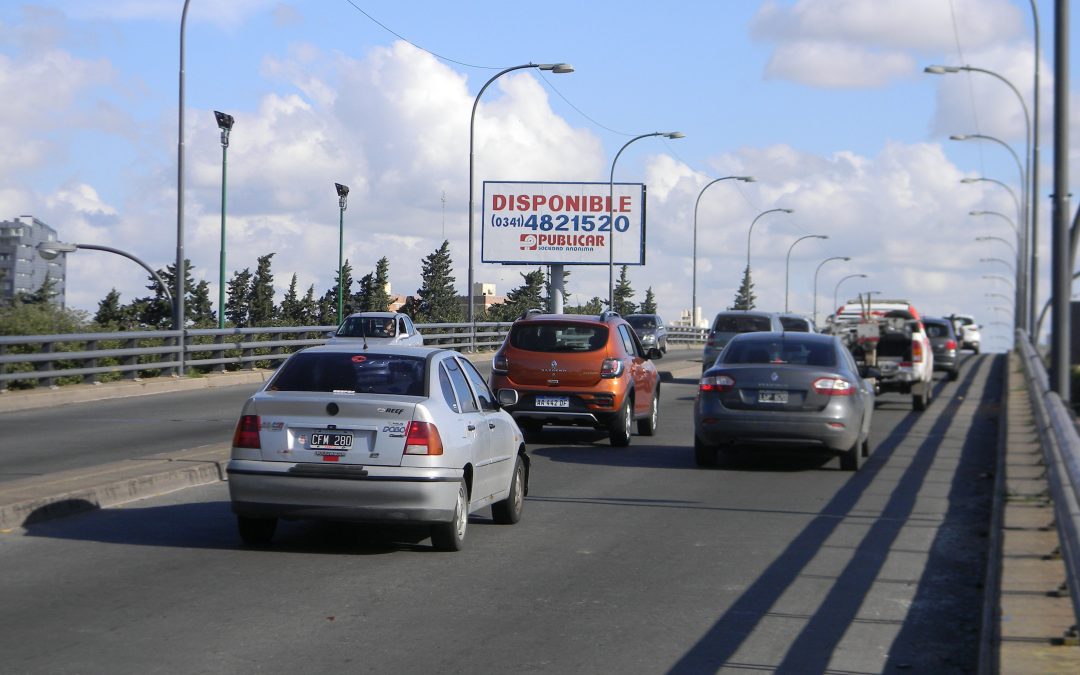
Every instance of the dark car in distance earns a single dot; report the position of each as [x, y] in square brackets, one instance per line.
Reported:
[945, 345]
[650, 330]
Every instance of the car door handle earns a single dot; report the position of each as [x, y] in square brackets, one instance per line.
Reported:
[471, 427]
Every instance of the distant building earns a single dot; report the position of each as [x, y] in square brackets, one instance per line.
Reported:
[22, 270]
[483, 298]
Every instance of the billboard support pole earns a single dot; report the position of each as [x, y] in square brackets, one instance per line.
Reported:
[556, 286]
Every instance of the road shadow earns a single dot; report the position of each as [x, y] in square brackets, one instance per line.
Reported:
[212, 525]
[936, 637]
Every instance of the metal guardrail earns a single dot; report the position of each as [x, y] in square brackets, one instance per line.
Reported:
[29, 361]
[1061, 450]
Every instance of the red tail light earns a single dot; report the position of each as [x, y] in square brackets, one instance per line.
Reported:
[916, 352]
[247, 432]
[950, 344]
[717, 383]
[423, 439]
[833, 386]
[611, 368]
[500, 364]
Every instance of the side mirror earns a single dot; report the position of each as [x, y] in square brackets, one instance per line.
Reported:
[331, 335]
[508, 397]
[655, 353]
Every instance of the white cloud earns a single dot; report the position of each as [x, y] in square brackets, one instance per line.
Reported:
[836, 65]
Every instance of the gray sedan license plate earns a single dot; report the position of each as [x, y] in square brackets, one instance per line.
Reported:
[331, 440]
[769, 396]
[552, 402]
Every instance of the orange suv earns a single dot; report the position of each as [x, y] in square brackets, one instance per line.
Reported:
[578, 370]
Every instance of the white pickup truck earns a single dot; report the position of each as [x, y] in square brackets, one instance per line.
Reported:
[890, 345]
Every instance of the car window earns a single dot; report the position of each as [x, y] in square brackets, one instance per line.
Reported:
[642, 322]
[448, 389]
[401, 327]
[629, 343]
[409, 327]
[549, 336]
[479, 387]
[735, 323]
[936, 330]
[461, 386]
[794, 324]
[780, 351]
[367, 326]
[353, 373]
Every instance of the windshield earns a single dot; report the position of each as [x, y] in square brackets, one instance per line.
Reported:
[368, 326]
[345, 372]
[558, 337]
[642, 322]
[795, 324]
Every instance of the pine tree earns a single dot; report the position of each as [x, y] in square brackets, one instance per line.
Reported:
[594, 306]
[200, 309]
[109, 312]
[348, 302]
[238, 298]
[437, 302]
[623, 293]
[44, 294]
[379, 299]
[364, 287]
[290, 305]
[526, 296]
[648, 306]
[744, 298]
[309, 309]
[261, 311]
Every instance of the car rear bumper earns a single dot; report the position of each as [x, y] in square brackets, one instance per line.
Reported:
[778, 430]
[351, 493]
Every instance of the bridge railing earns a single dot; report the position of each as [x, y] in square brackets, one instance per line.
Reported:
[1061, 450]
[29, 361]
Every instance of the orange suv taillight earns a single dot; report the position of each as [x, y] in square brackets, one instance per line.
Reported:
[247, 433]
[611, 368]
[423, 439]
[500, 364]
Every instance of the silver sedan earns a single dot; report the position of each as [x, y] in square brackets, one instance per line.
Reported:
[377, 435]
[784, 389]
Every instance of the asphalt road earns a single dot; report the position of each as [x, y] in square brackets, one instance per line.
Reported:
[626, 560]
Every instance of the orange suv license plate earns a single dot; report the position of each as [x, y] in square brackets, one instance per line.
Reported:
[552, 402]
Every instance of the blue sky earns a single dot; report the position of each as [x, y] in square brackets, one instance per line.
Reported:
[824, 102]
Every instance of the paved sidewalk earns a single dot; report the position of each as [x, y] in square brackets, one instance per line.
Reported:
[1033, 617]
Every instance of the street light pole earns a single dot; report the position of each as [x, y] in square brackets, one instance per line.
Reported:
[343, 202]
[181, 271]
[693, 293]
[49, 250]
[611, 209]
[225, 123]
[1016, 202]
[751, 231]
[787, 263]
[558, 68]
[818, 269]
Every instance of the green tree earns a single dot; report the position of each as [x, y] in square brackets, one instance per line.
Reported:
[648, 305]
[436, 300]
[330, 298]
[364, 287]
[526, 296]
[290, 306]
[261, 311]
[379, 299]
[238, 298]
[41, 318]
[594, 306]
[744, 297]
[109, 312]
[623, 293]
[200, 309]
[45, 293]
[309, 308]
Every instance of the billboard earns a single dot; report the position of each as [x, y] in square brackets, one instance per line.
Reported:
[527, 223]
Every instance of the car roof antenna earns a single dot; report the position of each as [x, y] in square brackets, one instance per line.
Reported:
[363, 333]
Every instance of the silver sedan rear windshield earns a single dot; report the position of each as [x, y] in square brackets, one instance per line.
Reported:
[741, 324]
[558, 337]
[344, 372]
[780, 351]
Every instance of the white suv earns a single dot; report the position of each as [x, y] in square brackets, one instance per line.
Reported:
[968, 331]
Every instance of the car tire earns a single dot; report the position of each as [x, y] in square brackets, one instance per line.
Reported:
[865, 447]
[508, 511]
[256, 532]
[975, 348]
[704, 455]
[647, 426]
[919, 402]
[451, 536]
[954, 375]
[851, 458]
[619, 426]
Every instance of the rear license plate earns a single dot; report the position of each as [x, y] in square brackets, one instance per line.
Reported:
[770, 396]
[331, 440]
[552, 402]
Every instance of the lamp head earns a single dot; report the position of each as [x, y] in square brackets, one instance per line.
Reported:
[821, 236]
[787, 210]
[557, 68]
[941, 70]
[51, 249]
[224, 120]
[959, 137]
[746, 179]
[674, 134]
[342, 190]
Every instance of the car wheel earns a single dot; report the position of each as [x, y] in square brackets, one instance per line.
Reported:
[647, 426]
[508, 511]
[865, 447]
[851, 458]
[663, 346]
[704, 455]
[975, 349]
[920, 401]
[954, 375]
[451, 536]
[619, 426]
[256, 531]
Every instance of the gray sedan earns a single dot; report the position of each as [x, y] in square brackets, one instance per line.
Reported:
[784, 389]
[387, 435]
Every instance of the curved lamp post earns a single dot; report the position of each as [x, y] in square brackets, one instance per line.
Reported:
[998, 277]
[999, 295]
[181, 269]
[693, 286]
[787, 263]
[553, 67]
[999, 214]
[225, 123]
[836, 289]
[611, 209]
[751, 231]
[1016, 202]
[51, 249]
[343, 202]
[1001, 239]
[818, 269]
[1004, 262]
